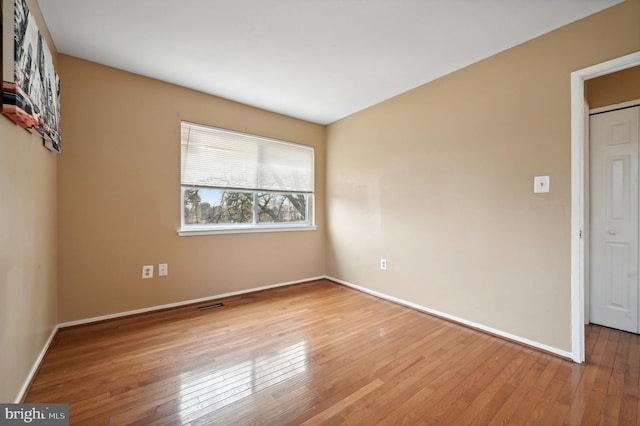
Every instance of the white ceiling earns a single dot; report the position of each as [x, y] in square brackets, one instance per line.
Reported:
[318, 60]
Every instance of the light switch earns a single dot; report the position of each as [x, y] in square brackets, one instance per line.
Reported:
[541, 184]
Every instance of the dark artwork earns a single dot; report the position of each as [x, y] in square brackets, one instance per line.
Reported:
[31, 93]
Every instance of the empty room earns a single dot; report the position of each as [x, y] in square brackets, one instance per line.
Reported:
[320, 212]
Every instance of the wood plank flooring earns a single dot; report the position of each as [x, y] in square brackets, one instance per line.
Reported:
[321, 353]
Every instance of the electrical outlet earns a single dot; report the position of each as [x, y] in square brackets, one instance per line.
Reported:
[163, 269]
[147, 271]
[383, 264]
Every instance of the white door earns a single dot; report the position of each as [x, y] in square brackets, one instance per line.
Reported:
[614, 219]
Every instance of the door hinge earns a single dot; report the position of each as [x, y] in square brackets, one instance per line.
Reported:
[581, 233]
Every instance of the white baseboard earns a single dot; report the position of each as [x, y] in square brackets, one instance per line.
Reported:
[471, 324]
[35, 366]
[182, 303]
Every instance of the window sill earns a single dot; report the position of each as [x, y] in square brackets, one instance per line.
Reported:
[192, 231]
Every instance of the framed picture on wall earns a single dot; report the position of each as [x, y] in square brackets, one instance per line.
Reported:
[30, 84]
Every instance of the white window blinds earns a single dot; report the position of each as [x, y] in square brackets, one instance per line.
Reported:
[219, 158]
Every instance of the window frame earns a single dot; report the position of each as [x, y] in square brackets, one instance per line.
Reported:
[255, 226]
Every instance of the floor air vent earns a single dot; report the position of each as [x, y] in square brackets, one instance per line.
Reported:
[215, 305]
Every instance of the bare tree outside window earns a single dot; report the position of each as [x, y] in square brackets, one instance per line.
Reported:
[192, 206]
[281, 208]
[237, 207]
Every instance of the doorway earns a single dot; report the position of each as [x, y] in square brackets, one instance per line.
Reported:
[579, 192]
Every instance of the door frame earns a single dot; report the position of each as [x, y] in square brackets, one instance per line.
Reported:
[579, 192]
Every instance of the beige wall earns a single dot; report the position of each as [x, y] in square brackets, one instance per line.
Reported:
[119, 197]
[28, 281]
[439, 181]
[618, 87]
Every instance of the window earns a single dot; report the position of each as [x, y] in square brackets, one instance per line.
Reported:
[236, 182]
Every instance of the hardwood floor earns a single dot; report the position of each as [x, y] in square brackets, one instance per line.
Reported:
[321, 353]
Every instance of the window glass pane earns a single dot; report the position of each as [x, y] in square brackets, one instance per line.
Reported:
[207, 205]
[282, 208]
